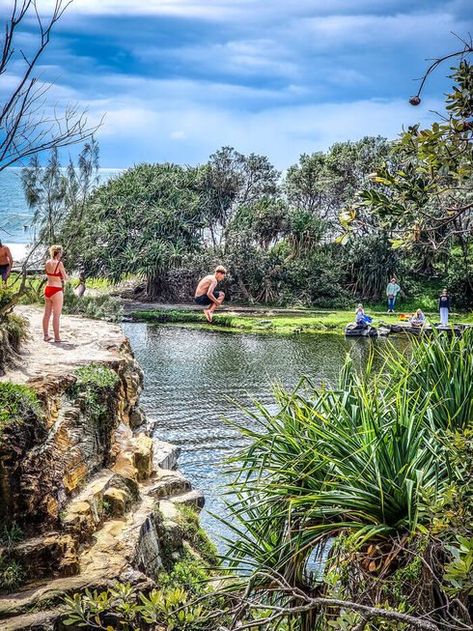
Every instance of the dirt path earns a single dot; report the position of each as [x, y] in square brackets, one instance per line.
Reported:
[85, 341]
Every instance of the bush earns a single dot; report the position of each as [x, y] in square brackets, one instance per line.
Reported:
[16, 403]
[12, 575]
[459, 282]
[102, 307]
[94, 386]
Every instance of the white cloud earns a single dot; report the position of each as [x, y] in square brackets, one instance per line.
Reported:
[282, 133]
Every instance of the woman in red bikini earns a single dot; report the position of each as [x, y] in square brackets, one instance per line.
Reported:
[53, 292]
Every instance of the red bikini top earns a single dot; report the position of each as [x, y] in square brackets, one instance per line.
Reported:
[55, 273]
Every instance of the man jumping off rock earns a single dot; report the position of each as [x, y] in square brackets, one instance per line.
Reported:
[205, 294]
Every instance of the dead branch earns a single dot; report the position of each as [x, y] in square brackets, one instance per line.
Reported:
[25, 128]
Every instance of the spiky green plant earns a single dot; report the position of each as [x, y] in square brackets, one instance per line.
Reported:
[367, 459]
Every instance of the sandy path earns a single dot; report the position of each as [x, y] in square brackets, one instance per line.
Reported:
[85, 341]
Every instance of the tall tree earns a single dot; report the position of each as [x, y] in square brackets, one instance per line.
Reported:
[230, 180]
[142, 222]
[56, 193]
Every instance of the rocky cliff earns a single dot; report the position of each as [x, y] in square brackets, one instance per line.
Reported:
[94, 497]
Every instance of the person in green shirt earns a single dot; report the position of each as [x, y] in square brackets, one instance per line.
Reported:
[392, 291]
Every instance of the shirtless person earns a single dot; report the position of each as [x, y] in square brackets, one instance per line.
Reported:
[205, 294]
[6, 262]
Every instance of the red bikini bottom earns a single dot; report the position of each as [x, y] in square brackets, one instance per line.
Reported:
[49, 291]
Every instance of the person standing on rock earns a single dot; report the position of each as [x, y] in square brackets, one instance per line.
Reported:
[207, 296]
[6, 262]
[54, 292]
[392, 291]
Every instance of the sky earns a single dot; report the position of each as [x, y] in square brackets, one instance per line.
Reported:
[177, 79]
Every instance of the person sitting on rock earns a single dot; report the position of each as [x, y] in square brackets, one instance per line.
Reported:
[360, 317]
[418, 319]
[205, 294]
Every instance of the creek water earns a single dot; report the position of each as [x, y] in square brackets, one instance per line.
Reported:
[195, 378]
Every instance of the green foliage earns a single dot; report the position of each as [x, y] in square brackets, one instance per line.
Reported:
[96, 376]
[187, 573]
[94, 386]
[362, 464]
[424, 196]
[459, 572]
[12, 575]
[10, 534]
[58, 195]
[443, 372]
[6, 294]
[188, 517]
[159, 199]
[100, 307]
[17, 402]
[171, 608]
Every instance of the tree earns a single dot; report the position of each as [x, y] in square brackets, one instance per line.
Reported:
[426, 197]
[324, 183]
[142, 222]
[28, 124]
[230, 180]
[55, 193]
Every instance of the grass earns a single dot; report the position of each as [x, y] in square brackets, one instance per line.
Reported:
[307, 322]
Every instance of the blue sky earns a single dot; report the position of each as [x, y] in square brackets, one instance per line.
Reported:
[177, 79]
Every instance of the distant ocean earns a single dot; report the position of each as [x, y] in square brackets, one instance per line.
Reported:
[15, 216]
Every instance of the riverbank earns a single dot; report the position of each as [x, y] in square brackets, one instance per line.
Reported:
[261, 320]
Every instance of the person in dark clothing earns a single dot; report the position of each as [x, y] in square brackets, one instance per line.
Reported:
[444, 306]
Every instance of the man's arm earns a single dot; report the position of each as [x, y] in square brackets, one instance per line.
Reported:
[10, 259]
[210, 292]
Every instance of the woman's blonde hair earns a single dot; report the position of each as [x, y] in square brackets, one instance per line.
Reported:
[54, 250]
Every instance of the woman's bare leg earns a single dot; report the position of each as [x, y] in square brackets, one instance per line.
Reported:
[57, 302]
[48, 307]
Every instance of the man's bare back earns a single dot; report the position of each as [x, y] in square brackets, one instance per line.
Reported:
[204, 285]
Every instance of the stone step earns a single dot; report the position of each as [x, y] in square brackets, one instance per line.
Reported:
[166, 483]
[165, 455]
[51, 555]
[107, 495]
[192, 498]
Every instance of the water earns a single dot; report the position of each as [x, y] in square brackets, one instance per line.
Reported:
[15, 216]
[191, 376]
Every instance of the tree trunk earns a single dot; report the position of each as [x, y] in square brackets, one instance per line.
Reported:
[155, 287]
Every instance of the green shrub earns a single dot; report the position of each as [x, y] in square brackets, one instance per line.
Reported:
[187, 573]
[94, 386]
[16, 403]
[96, 376]
[10, 534]
[12, 575]
[100, 307]
[188, 518]
[170, 608]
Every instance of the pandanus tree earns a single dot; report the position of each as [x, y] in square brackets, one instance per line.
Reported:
[358, 469]
[141, 222]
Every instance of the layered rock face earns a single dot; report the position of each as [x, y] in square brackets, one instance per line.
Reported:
[95, 497]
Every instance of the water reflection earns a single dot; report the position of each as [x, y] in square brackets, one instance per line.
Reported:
[191, 374]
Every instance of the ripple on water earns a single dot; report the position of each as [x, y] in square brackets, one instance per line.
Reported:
[194, 377]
